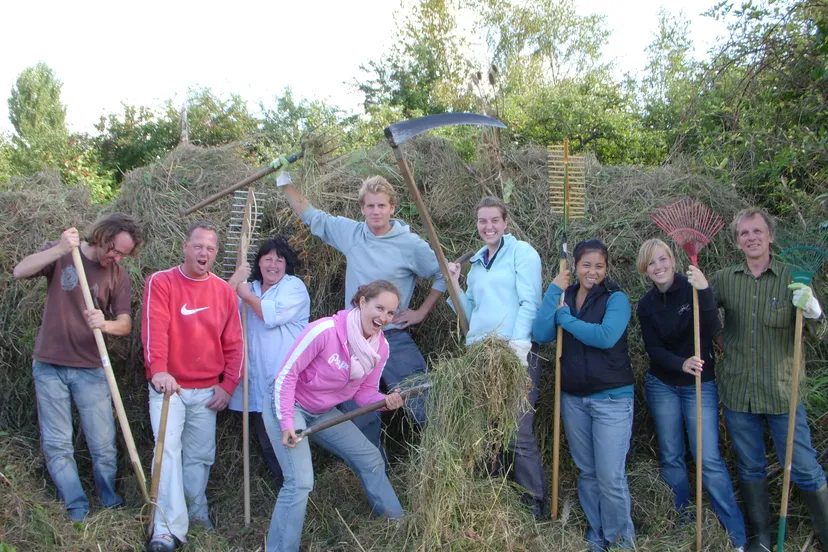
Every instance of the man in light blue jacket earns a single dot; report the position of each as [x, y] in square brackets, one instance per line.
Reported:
[380, 248]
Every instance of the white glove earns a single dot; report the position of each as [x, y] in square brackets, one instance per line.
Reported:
[284, 179]
[803, 298]
[521, 349]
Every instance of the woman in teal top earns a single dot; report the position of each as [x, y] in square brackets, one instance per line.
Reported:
[502, 297]
[597, 389]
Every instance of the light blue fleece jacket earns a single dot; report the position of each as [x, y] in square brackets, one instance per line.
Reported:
[504, 297]
[398, 256]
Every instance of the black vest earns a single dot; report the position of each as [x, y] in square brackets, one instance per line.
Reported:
[586, 370]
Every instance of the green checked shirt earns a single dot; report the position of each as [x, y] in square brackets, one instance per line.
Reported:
[754, 374]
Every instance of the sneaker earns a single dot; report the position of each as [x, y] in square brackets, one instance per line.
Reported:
[740, 549]
[162, 543]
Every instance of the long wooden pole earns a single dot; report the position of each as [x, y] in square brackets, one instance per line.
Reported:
[240, 259]
[156, 465]
[792, 406]
[697, 345]
[110, 379]
[316, 428]
[556, 429]
[454, 293]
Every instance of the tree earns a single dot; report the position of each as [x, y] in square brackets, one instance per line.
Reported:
[671, 84]
[426, 70]
[763, 108]
[39, 120]
[133, 139]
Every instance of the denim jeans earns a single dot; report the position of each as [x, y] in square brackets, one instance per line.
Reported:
[747, 431]
[56, 387]
[343, 440]
[674, 411]
[189, 453]
[404, 361]
[598, 432]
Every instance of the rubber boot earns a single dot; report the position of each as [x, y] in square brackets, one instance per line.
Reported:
[817, 503]
[757, 508]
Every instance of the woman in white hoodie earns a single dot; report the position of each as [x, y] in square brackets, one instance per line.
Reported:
[502, 297]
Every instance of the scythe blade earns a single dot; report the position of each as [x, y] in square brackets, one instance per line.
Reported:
[399, 133]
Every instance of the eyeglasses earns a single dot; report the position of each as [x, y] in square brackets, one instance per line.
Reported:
[117, 253]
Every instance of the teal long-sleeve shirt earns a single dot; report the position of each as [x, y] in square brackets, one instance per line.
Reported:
[601, 336]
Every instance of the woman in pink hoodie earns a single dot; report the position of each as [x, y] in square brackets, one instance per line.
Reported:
[334, 359]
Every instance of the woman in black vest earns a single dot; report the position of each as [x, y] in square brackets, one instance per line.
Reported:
[597, 385]
[666, 317]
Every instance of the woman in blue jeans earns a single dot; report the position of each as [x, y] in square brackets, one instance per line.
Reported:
[666, 317]
[597, 385]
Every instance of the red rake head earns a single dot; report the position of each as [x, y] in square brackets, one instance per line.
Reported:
[690, 223]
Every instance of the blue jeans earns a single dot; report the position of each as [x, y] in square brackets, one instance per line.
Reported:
[674, 411]
[56, 387]
[343, 440]
[598, 432]
[747, 431]
[404, 361]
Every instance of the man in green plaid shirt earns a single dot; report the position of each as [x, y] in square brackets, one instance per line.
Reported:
[755, 373]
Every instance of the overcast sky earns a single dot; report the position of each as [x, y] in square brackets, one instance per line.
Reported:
[142, 53]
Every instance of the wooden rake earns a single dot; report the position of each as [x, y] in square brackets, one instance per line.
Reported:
[805, 261]
[567, 177]
[244, 224]
[692, 225]
[110, 379]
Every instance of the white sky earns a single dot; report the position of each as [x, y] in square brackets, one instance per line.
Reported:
[142, 53]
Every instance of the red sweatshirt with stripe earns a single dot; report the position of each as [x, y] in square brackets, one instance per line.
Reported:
[192, 330]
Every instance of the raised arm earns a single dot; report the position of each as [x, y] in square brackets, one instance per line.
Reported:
[33, 264]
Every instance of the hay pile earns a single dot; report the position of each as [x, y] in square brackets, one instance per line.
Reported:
[473, 409]
[618, 202]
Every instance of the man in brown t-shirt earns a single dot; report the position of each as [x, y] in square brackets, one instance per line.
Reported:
[66, 364]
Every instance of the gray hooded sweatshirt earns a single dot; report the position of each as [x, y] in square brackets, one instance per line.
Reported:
[398, 256]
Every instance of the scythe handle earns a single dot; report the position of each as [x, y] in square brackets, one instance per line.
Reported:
[411, 392]
[454, 293]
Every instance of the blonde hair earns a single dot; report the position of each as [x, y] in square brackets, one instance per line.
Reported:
[648, 250]
[377, 185]
[751, 212]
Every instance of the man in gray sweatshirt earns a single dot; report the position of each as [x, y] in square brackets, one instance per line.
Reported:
[380, 248]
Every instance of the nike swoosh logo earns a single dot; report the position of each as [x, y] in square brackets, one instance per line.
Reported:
[187, 312]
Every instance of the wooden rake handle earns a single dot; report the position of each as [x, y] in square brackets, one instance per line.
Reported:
[697, 349]
[556, 428]
[110, 379]
[792, 406]
[156, 466]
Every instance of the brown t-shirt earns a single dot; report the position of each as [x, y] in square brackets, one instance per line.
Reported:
[65, 339]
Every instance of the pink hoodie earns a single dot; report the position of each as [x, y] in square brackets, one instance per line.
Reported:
[316, 372]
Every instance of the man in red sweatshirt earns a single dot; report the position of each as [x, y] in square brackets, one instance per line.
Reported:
[193, 352]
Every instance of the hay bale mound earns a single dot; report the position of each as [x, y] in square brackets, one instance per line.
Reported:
[486, 514]
[473, 407]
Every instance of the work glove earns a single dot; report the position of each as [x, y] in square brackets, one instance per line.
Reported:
[521, 349]
[803, 298]
[284, 179]
[280, 164]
